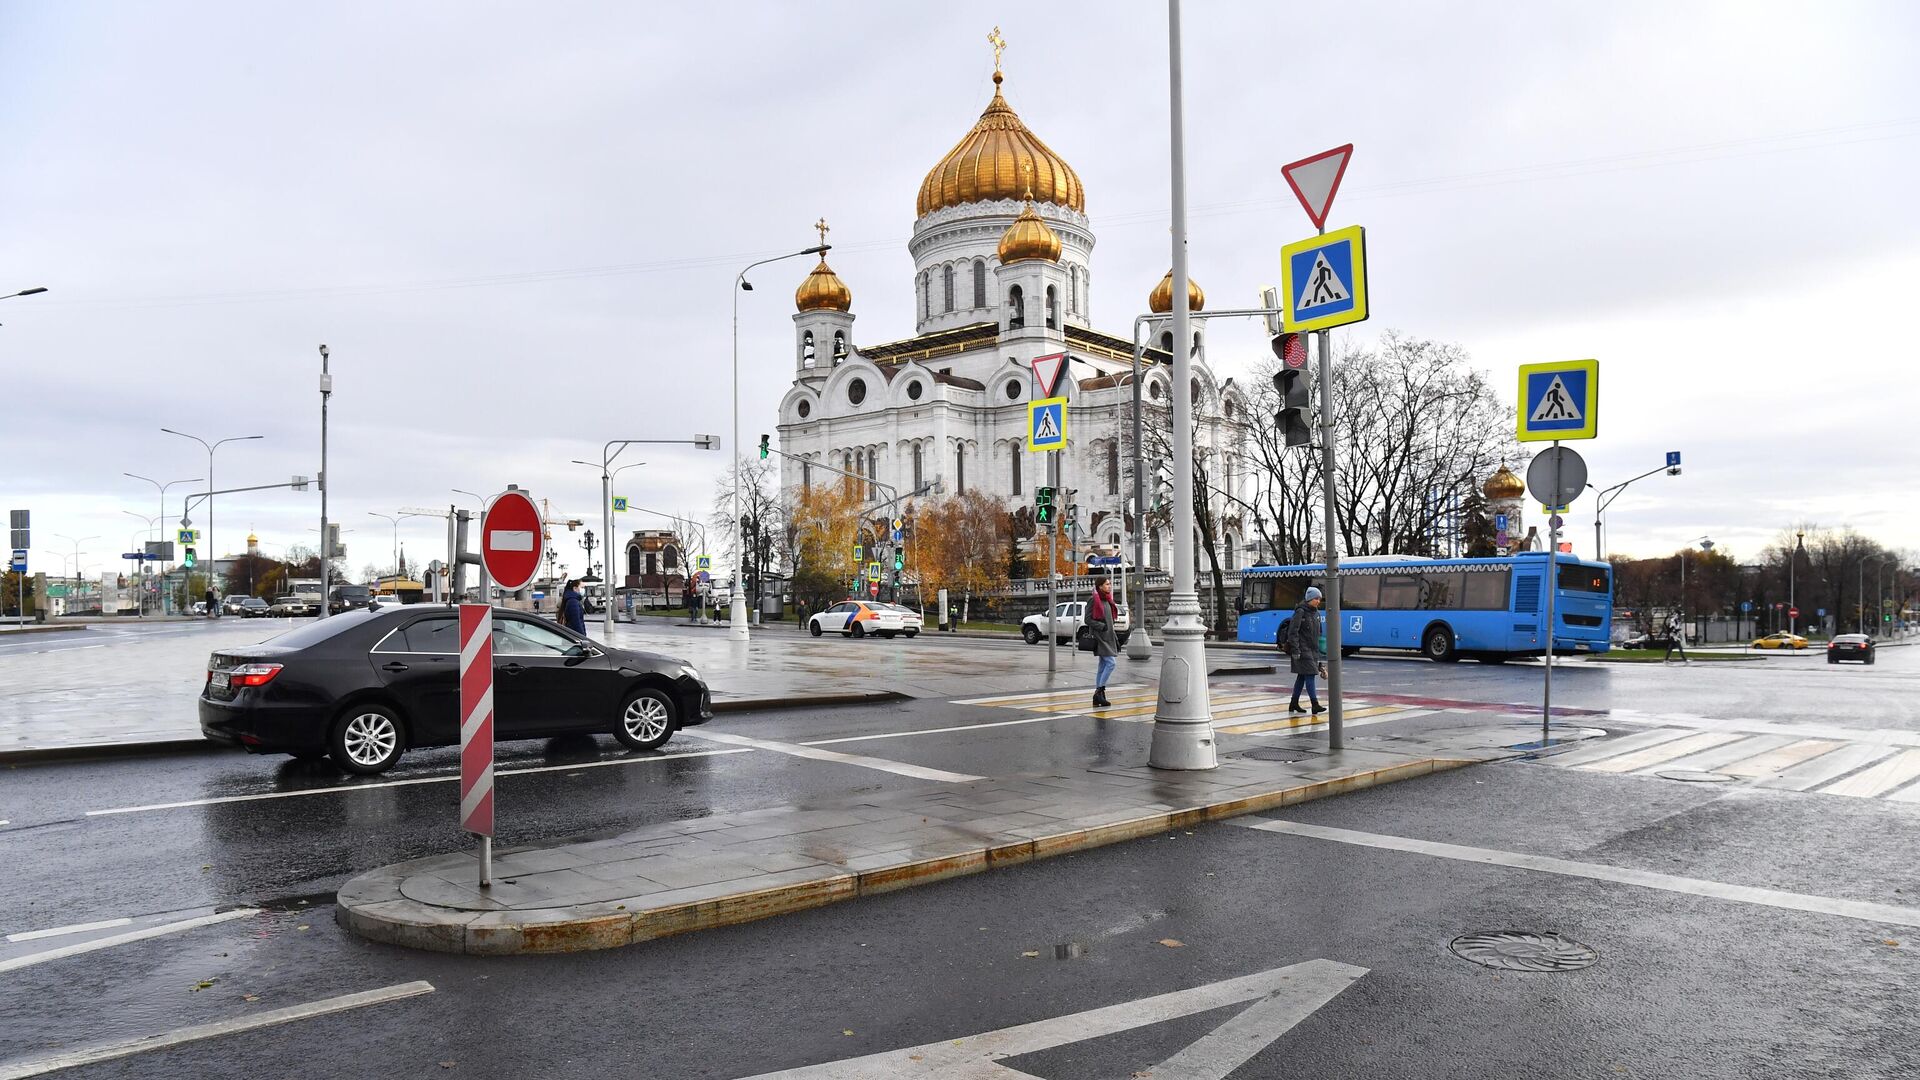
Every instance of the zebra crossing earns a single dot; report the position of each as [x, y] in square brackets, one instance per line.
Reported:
[1237, 710]
[1830, 765]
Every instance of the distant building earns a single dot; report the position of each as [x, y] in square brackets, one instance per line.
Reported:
[655, 562]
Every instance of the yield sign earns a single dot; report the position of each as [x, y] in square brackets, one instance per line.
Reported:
[1046, 374]
[1315, 180]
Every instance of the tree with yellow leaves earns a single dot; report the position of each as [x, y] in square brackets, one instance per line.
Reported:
[825, 520]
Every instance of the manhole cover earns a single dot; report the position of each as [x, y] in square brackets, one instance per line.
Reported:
[1694, 776]
[1521, 950]
[1277, 753]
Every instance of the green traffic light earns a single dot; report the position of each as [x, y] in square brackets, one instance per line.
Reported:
[764, 449]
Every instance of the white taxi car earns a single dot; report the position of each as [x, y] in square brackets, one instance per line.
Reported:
[858, 618]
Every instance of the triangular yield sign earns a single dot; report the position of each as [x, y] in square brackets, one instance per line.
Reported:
[1556, 404]
[1322, 286]
[1315, 181]
[1046, 373]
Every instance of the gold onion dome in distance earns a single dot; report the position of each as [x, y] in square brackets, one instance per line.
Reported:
[1029, 238]
[1504, 485]
[823, 291]
[990, 162]
[1160, 300]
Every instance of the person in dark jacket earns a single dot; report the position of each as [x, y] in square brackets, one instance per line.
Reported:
[1106, 645]
[1309, 650]
[573, 614]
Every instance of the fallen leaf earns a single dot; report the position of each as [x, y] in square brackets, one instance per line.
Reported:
[208, 866]
[1036, 952]
[448, 1064]
[249, 997]
[846, 1031]
[303, 926]
[916, 1057]
[1172, 944]
[1890, 943]
[203, 984]
[620, 907]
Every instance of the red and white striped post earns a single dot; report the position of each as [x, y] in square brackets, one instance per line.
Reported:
[476, 730]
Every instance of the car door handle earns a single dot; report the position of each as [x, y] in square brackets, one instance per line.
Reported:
[393, 666]
[513, 669]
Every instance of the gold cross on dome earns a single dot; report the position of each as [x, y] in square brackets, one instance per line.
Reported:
[821, 228]
[999, 44]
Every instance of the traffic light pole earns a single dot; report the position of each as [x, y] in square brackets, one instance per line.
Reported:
[1053, 589]
[1330, 595]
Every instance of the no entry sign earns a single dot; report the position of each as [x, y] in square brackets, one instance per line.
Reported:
[511, 540]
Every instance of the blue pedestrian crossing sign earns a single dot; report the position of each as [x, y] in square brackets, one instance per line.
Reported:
[1047, 424]
[1559, 400]
[1323, 281]
[619, 504]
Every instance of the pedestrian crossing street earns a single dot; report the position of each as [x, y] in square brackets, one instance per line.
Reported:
[1829, 765]
[1237, 710]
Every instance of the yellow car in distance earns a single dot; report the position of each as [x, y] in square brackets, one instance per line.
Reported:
[1781, 640]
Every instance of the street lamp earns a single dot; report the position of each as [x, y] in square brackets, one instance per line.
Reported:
[737, 607]
[75, 574]
[212, 558]
[1705, 545]
[1793, 566]
[162, 489]
[608, 454]
[396, 542]
[1603, 498]
[153, 525]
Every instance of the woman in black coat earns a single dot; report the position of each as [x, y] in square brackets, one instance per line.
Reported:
[1304, 633]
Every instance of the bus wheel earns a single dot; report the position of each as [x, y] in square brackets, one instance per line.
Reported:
[1439, 646]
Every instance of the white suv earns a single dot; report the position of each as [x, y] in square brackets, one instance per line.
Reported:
[1068, 622]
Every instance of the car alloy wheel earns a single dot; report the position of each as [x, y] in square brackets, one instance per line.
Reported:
[366, 740]
[1031, 634]
[646, 720]
[813, 627]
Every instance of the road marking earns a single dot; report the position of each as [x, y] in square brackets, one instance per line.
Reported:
[929, 731]
[1882, 778]
[217, 1029]
[142, 934]
[1780, 759]
[1649, 879]
[1655, 755]
[898, 768]
[1826, 768]
[63, 931]
[1045, 695]
[1881, 736]
[1280, 999]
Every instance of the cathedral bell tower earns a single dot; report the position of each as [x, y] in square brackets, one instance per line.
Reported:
[823, 323]
[1033, 288]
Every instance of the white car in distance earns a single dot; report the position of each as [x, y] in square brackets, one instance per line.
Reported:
[1068, 622]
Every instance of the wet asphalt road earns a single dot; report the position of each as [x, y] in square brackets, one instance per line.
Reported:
[1687, 985]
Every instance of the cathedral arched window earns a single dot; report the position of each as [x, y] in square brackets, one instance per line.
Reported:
[670, 558]
[1196, 341]
[806, 476]
[846, 467]
[1053, 308]
[919, 467]
[979, 283]
[946, 283]
[1113, 468]
[839, 346]
[926, 296]
[633, 561]
[960, 469]
[806, 349]
[1232, 545]
[1166, 343]
[1013, 451]
[1153, 550]
[1016, 308]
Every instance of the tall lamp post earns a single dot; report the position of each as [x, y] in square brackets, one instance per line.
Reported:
[1793, 568]
[213, 559]
[153, 525]
[1705, 545]
[737, 607]
[74, 573]
[162, 489]
[396, 542]
[613, 449]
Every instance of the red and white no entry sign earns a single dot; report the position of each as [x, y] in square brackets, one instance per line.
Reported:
[511, 539]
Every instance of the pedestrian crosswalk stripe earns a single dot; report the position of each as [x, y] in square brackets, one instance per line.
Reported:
[1237, 708]
[1860, 770]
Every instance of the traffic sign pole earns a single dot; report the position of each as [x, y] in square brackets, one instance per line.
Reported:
[1053, 535]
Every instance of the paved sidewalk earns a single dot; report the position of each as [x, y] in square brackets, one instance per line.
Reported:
[682, 876]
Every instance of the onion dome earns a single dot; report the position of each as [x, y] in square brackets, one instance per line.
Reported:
[1029, 238]
[823, 291]
[1160, 300]
[990, 162]
[1504, 485]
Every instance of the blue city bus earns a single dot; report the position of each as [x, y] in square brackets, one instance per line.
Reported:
[1486, 609]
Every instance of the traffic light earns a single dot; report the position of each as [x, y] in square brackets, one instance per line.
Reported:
[764, 449]
[899, 563]
[1296, 389]
[190, 558]
[1043, 506]
[1073, 515]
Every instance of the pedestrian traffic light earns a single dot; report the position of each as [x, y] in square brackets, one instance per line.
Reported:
[899, 561]
[190, 558]
[1043, 505]
[1295, 388]
[764, 449]
[1073, 515]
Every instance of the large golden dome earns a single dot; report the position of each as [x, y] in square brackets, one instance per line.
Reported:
[1160, 300]
[1504, 485]
[990, 162]
[823, 291]
[1029, 238]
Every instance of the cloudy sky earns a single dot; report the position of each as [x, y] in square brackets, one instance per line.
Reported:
[515, 226]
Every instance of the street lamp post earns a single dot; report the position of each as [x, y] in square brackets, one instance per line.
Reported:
[737, 606]
[1705, 545]
[1604, 497]
[153, 524]
[162, 489]
[213, 560]
[396, 542]
[614, 448]
[75, 573]
[1793, 567]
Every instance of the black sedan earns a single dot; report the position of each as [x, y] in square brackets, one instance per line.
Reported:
[1850, 647]
[364, 687]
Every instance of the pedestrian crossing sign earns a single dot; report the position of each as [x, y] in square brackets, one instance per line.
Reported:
[1047, 424]
[619, 504]
[1323, 280]
[1559, 400]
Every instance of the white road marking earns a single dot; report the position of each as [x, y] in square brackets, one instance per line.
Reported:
[1664, 752]
[921, 731]
[1280, 998]
[1880, 736]
[899, 768]
[142, 934]
[1649, 879]
[1827, 768]
[217, 1029]
[1882, 778]
[63, 931]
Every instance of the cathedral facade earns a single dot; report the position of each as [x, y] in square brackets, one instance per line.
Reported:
[1002, 250]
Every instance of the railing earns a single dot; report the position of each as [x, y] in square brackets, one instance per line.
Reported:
[1155, 579]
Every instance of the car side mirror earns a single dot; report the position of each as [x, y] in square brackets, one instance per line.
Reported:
[577, 649]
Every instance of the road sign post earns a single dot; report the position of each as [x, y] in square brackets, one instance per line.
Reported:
[476, 729]
[1556, 477]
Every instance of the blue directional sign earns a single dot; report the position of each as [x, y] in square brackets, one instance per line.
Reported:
[1500, 522]
[1746, 606]
[1560, 400]
[1324, 280]
[1673, 459]
[1103, 560]
[1047, 424]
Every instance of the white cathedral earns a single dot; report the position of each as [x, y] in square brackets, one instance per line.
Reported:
[1002, 248]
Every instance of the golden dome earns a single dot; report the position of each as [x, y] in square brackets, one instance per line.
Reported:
[1504, 485]
[1029, 238]
[1160, 300]
[990, 162]
[252, 540]
[823, 291]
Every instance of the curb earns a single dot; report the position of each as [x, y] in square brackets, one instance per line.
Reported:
[49, 628]
[866, 697]
[371, 905]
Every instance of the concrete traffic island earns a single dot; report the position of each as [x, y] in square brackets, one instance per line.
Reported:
[682, 876]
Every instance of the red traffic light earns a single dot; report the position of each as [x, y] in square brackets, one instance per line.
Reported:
[1291, 349]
